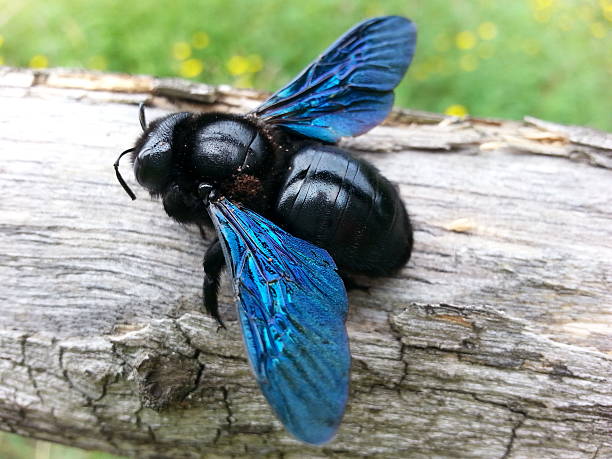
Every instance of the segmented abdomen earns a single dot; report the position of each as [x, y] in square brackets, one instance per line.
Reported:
[344, 205]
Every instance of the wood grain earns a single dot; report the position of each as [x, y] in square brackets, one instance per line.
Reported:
[494, 341]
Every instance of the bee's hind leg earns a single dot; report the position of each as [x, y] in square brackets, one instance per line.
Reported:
[213, 264]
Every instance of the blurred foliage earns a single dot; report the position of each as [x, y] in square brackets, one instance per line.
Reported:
[546, 58]
[16, 447]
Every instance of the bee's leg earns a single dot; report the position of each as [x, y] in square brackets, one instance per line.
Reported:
[213, 264]
[352, 284]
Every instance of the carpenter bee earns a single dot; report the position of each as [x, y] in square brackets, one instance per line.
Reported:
[294, 214]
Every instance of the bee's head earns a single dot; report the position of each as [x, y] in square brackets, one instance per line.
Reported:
[153, 153]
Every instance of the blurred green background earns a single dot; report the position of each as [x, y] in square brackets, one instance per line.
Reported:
[547, 58]
[16, 447]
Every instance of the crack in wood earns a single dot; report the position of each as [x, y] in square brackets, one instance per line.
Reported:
[89, 298]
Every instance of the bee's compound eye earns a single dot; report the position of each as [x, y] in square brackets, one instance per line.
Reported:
[152, 166]
[154, 161]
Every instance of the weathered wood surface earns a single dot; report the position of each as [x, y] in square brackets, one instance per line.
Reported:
[494, 341]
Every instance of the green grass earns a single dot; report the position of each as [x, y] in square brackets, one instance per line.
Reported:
[546, 58]
[16, 447]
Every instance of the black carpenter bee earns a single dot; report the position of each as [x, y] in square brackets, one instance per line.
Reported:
[294, 214]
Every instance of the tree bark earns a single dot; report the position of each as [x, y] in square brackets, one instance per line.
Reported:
[494, 341]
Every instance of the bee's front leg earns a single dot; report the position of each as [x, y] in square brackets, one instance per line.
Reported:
[213, 264]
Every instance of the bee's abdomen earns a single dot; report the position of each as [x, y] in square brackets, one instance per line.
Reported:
[346, 206]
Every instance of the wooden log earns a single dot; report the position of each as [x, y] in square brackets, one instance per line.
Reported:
[494, 341]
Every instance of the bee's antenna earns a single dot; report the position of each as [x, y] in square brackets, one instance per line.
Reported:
[141, 116]
[116, 165]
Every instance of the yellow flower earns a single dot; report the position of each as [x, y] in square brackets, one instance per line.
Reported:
[456, 110]
[465, 40]
[606, 7]
[39, 61]
[238, 65]
[468, 63]
[181, 50]
[542, 4]
[542, 10]
[598, 30]
[191, 68]
[487, 30]
[200, 40]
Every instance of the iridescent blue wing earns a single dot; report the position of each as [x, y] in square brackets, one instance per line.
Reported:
[292, 307]
[349, 89]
